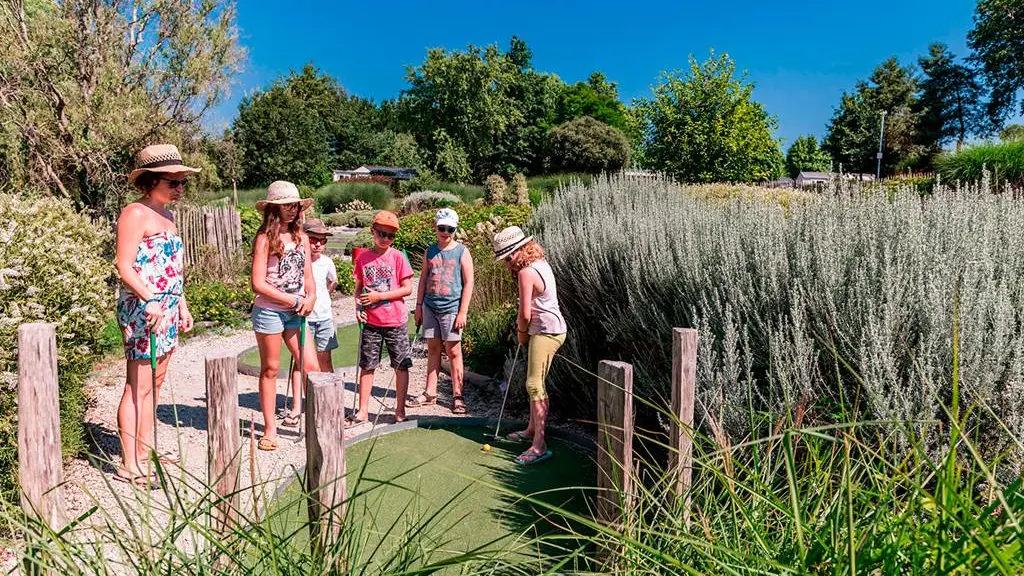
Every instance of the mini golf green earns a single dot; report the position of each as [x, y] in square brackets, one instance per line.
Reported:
[346, 354]
[405, 477]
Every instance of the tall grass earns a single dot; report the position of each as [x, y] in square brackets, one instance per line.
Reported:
[838, 305]
[331, 197]
[1004, 162]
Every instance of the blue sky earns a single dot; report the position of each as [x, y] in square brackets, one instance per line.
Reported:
[800, 55]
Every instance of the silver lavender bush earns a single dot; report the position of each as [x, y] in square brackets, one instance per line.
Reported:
[838, 306]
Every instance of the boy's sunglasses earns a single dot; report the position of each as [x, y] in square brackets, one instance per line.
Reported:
[317, 240]
[383, 234]
[446, 229]
[175, 183]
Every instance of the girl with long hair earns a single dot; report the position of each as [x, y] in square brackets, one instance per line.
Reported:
[282, 279]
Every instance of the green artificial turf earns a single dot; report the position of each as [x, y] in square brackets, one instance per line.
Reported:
[413, 475]
[345, 354]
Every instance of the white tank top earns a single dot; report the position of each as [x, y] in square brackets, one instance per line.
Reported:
[546, 318]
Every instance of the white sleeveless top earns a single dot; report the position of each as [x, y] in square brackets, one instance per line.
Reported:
[546, 318]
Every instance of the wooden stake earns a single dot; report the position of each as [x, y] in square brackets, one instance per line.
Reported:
[614, 441]
[684, 385]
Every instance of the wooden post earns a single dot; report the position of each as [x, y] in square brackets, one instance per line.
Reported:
[225, 443]
[325, 458]
[40, 470]
[684, 385]
[614, 440]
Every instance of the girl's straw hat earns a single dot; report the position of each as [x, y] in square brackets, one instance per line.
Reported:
[508, 241]
[283, 192]
[163, 158]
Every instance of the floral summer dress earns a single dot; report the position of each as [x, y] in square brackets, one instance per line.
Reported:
[158, 262]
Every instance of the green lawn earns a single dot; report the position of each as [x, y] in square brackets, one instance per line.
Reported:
[345, 354]
[410, 476]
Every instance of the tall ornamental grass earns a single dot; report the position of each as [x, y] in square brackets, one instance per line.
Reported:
[838, 307]
[1004, 162]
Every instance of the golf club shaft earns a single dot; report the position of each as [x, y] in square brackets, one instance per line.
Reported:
[508, 384]
[302, 372]
[152, 367]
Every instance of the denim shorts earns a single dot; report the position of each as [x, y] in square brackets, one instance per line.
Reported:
[266, 321]
[440, 326]
[324, 334]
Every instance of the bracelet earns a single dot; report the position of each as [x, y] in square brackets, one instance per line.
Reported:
[296, 305]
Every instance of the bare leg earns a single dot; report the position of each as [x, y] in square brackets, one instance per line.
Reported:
[433, 365]
[401, 391]
[146, 415]
[128, 413]
[365, 385]
[325, 361]
[270, 350]
[538, 418]
[291, 340]
[454, 352]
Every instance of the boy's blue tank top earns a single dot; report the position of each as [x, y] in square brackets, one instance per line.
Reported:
[444, 281]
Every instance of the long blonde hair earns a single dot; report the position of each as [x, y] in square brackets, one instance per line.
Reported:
[271, 226]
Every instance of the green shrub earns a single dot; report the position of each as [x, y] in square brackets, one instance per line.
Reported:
[364, 239]
[216, 301]
[252, 219]
[1004, 163]
[495, 189]
[333, 196]
[586, 145]
[416, 231]
[545, 186]
[520, 193]
[844, 304]
[468, 192]
[488, 337]
[55, 265]
[428, 200]
[346, 275]
[360, 219]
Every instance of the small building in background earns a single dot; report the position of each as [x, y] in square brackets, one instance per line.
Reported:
[812, 179]
[381, 172]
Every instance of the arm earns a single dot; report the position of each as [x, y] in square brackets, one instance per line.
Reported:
[308, 283]
[466, 263]
[360, 313]
[259, 275]
[421, 291]
[332, 276]
[526, 283]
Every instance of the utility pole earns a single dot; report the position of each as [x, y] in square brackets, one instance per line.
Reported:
[881, 136]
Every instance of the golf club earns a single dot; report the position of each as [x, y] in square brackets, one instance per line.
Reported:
[394, 374]
[152, 389]
[302, 372]
[507, 384]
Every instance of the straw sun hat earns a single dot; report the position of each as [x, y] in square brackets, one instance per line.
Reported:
[508, 241]
[283, 192]
[163, 158]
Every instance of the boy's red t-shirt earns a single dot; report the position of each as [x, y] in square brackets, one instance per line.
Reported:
[382, 274]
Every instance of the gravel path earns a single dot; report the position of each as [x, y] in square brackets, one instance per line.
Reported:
[182, 424]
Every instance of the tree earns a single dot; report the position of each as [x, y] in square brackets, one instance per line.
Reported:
[391, 149]
[950, 105]
[84, 84]
[704, 126]
[997, 44]
[451, 162]
[228, 159]
[587, 145]
[1012, 133]
[281, 138]
[806, 155]
[596, 98]
[852, 137]
[492, 105]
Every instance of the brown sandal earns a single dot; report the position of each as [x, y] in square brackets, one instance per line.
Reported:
[458, 406]
[421, 400]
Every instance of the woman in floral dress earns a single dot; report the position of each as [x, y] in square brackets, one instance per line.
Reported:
[151, 299]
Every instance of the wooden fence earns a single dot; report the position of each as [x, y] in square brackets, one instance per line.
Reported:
[212, 236]
[41, 472]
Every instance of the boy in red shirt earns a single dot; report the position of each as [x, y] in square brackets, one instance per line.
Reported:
[383, 280]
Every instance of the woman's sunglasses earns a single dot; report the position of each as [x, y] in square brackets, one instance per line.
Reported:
[446, 229]
[175, 183]
[383, 234]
